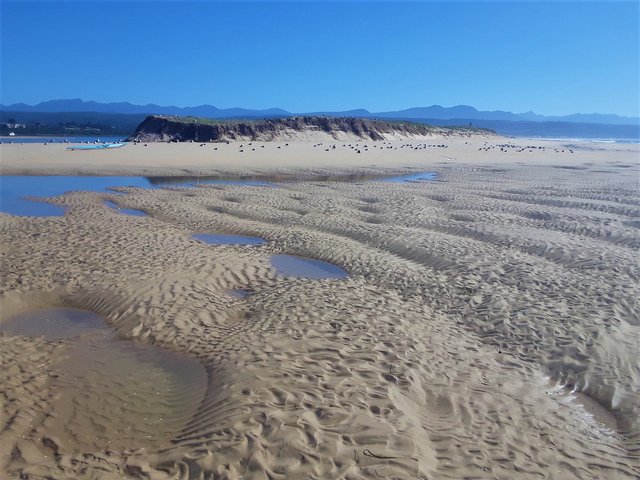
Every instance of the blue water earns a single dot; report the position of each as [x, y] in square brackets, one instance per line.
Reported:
[270, 181]
[99, 146]
[57, 139]
[125, 211]
[301, 267]
[13, 189]
[238, 293]
[616, 140]
[218, 181]
[583, 139]
[190, 181]
[413, 177]
[223, 239]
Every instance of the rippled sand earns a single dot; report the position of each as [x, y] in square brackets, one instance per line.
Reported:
[475, 306]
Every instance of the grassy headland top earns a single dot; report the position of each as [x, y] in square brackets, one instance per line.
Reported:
[162, 128]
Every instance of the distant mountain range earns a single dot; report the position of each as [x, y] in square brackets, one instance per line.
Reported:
[77, 105]
[435, 112]
[76, 117]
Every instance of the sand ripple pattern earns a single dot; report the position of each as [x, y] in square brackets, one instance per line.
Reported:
[490, 327]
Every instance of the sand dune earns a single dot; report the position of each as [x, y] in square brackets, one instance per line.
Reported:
[488, 329]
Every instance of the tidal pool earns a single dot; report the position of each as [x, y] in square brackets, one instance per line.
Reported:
[302, 267]
[238, 293]
[125, 211]
[224, 239]
[191, 181]
[110, 393]
[411, 177]
[15, 188]
[16, 191]
[22, 194]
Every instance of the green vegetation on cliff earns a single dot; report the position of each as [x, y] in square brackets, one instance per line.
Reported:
[183, 129]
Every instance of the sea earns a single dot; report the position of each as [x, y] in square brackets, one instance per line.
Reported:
[586, 140]
[56, 139]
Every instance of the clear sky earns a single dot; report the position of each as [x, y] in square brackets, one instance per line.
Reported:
[550, 57]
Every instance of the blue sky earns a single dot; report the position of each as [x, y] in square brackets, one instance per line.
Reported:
[550, 57]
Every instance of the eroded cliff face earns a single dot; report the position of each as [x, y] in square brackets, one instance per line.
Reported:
[157, 128]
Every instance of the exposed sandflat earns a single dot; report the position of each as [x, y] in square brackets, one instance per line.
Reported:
[470, 300]
[191, 158]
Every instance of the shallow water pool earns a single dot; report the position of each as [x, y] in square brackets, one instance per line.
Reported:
[302, 267]
[125, 211]
[110, 393]
[15, 190]
[224, 239]
[412, 177]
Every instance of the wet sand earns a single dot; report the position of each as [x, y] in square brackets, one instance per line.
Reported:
[474, 306]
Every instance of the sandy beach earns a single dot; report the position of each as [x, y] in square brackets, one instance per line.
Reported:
[316, 152]
[489, 327]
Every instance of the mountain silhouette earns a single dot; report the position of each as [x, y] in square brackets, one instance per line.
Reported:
[435, 112]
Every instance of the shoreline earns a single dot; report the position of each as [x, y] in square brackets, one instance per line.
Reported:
[301, 174]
